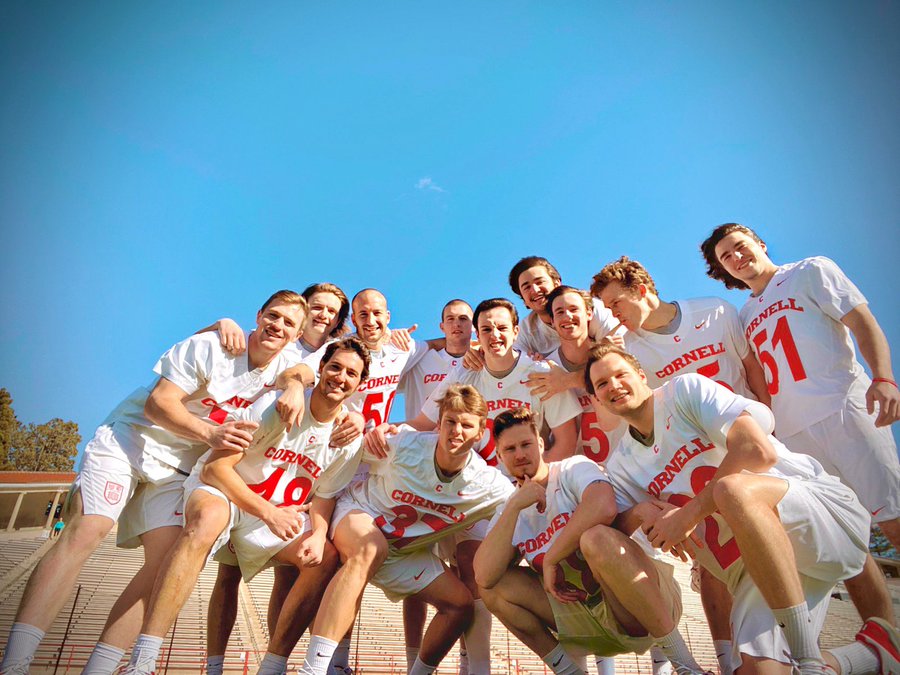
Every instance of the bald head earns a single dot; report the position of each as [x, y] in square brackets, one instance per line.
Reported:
[370, 317]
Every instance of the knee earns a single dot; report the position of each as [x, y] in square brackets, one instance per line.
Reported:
[202, 530]
[600, 544]
[731, 493]
[330, 557]
[84, 534]
[369, 552]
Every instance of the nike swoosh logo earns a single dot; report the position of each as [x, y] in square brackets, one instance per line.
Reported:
[778, 283]
[466, 494]
[698, 327]
[419, 575]
[181, 513]
[268, 386]
[523, 381]
[557, 662]
[877, 511]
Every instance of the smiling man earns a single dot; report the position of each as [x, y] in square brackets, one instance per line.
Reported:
[253, 497]
[592, 586]
[699, 471]
[152, 440]
[429, 486]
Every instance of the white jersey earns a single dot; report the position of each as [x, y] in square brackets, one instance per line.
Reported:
[504, 394]
[536, 531]
[691, 419]
[709, 341]
[304, 353]
[375, 396]
[593, 442]
[536, 337]
[413, 505]
[417, 384]
[287, 468]
[217, 385]
[795, 328]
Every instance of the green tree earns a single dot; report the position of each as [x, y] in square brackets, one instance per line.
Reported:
[51, 446]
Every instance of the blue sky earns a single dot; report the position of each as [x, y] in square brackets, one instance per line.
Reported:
[165, 164]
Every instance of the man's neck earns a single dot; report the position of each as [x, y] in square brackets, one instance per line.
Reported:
[377, 346]
[543, 315]
[257, 356]
[575, 352]
[758, 284]
[500, 366]
[457, 349]
[540, 476]
[660, 316]
[642, 418]
[449, 464]
[323, 410]
[313, 343]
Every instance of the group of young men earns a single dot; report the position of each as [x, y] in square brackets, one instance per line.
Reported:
[544, 474]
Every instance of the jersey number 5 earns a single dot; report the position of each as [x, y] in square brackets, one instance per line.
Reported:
[780, 336]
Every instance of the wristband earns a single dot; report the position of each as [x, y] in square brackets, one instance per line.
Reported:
[885, 380]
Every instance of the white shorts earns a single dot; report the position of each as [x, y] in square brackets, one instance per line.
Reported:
[246, 541]
[446, 547]
[829, 532]
[405, 574]
[584, 629]
[140, 496]
[849, 445]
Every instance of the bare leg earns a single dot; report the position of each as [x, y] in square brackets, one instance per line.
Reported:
[127, 614]
[414, 614]
[285, 578]
[453, 603]
[716, 605]
[891, 530]
[222, 611]
[521, 604]
[869, 593]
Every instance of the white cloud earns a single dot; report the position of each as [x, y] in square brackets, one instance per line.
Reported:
[426, 183]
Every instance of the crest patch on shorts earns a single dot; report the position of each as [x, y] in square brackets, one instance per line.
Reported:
[113, 492]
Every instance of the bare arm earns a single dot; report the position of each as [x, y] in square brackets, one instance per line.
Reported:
[165, 407]
[873, 347]
[554, 381]
[231, 335]
[294, 381]
[756, 378]
[313, 547]
[565, 441]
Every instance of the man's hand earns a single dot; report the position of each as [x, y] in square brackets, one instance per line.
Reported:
[375, 442]
[286, 522]
[615, 337]
[290, 404]
[556, 585]
[473, 359]
[549, 384]
[401, 338]
[231, 336]
[347, 429]
[312, 549]
[672, 529]
[528, 493]
[233, 435]
[887, 396]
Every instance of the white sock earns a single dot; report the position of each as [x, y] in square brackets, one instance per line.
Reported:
[145, 654]
[215, 664]
[723, 656]
[561, 663]
[411, 654]
[661, 665]
[318, 655]
[606, 665]
[796, 624]
[855, 658]
[341, 658]
[672, 645]
[272, 664]
[463, 660]
[24, 640]
[420, 668]
[103, 660]
[478, 640]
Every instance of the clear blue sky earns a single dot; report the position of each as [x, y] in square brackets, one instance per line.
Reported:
[165, 164]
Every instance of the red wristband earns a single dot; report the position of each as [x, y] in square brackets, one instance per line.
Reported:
[885, 380]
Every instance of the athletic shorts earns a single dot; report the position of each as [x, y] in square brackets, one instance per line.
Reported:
[246, 540]
[140, 494]
[583, 629]
[829, 532]
[405, 574]
[849, 445]
[446, 547]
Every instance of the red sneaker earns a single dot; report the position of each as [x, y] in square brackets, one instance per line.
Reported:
[885, 640]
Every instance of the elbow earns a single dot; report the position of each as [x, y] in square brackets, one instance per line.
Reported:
[152, 409]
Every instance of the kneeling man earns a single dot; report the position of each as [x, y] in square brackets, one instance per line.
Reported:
[603, 594]
[253, 497]
[429, 486]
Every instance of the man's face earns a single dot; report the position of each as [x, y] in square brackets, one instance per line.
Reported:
[341, 375]
[459, 431]
[570, 316]
[534, 286]
[278, 324]
[323, 313]
[617, 385]
[628, 305]
[371, 317]
[457, 322]
[520, 451]
[496, 332]
[742, 256]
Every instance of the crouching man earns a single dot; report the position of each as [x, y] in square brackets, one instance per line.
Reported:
[603, 594]
[253, 497]
[430, 485]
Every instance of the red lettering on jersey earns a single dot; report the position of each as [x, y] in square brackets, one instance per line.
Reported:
[506, 404]
[680, 458]
[219, 414]
[289, 457]
[434, 377]
[781, 306]
[406, 497]
[376, 382]
[543, 538]
[690, 357]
